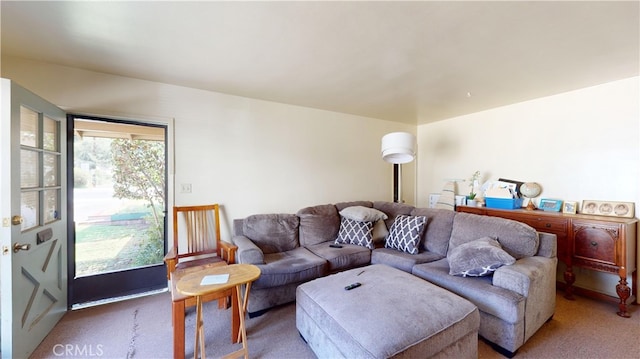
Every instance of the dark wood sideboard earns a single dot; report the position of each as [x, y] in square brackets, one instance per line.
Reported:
[606, 244]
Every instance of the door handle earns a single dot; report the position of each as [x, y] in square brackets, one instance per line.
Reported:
[21, 247]
[16, 220]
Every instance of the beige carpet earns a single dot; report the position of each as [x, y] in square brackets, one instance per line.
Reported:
[141, 328]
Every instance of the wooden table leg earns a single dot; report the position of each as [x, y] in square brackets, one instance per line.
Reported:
[241, 303]
[624, 292]
[235, 317]
[177, 314]
[199, 330]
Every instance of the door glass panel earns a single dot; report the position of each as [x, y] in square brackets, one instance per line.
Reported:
[28, 127]
[39, 169]
[50, 137]
[29, 169]
[29, 205]
[51, 207]
[51, 170]
[119, 198]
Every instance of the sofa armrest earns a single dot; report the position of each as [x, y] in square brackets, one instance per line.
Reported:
[171, 261]
[548, 245]
[526, 273]
[248, 252]
[535, 278]
[228, 252]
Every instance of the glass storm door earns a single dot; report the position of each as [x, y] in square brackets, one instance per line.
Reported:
[119, 186]
[33, 211]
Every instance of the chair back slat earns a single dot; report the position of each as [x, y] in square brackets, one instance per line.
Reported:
[200, 226]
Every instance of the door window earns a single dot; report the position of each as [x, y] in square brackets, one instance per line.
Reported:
[40, 169]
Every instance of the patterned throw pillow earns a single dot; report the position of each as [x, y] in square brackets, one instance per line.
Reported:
[478, 258]
[405, 233]
[355, 232]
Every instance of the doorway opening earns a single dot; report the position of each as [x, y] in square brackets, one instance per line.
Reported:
[117, 227]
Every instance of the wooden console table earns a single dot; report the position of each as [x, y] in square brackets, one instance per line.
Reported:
[606, 244]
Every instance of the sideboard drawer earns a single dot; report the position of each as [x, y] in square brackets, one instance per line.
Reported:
[546, 225]
[596, 243]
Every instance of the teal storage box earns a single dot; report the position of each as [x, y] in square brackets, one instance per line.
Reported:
[503, 203]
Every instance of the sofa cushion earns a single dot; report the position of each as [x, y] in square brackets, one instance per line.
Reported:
[478, 258]
[402, 260]
[516, 238]
[294, 266]
[393, 210]
[318, 224]
[436, 236]
[272, 233]
[405, 233]
[380, 231]
[355, 232]
[499, 302]
[349, 256]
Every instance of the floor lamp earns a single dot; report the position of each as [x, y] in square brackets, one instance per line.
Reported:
[398, 148]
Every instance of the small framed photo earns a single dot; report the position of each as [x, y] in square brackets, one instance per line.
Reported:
[569, 207]
[552, 205]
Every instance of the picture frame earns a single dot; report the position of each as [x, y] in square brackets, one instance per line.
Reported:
[550, 205]
[608, 208]
[570, 207]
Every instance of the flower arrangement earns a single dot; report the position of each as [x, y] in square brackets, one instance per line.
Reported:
[473, 182]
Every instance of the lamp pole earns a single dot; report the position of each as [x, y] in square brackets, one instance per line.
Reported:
[397, 183]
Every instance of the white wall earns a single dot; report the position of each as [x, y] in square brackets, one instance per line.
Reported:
[250, 156]
[578, 145]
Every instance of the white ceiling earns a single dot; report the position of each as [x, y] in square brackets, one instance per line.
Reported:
[412, 62]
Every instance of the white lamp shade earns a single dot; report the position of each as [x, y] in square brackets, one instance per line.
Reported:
[398, 147]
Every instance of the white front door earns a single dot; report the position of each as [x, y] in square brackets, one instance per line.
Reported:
[33, 209]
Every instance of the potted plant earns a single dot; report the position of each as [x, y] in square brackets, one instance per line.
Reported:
[473, 184]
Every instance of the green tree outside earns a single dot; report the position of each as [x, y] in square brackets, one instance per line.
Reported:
[139, 173]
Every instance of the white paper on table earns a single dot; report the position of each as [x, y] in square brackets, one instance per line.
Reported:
[214, 279]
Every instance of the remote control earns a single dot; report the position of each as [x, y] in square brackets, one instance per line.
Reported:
[351, 286]
[335, 246]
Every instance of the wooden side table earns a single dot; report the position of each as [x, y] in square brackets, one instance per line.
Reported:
[239, 275]
[179, 302]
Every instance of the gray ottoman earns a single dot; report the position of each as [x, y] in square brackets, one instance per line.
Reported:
[393, 314]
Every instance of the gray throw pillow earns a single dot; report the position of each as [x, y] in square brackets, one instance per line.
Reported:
[363, 214]
[405, 233]
[478, 258]
[355, 232]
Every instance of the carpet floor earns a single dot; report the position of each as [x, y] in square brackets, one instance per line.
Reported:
[141, 328]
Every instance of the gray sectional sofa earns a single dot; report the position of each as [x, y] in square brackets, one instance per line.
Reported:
[505, 268]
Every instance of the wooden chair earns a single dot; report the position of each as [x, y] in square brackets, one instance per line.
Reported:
[201, 227]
